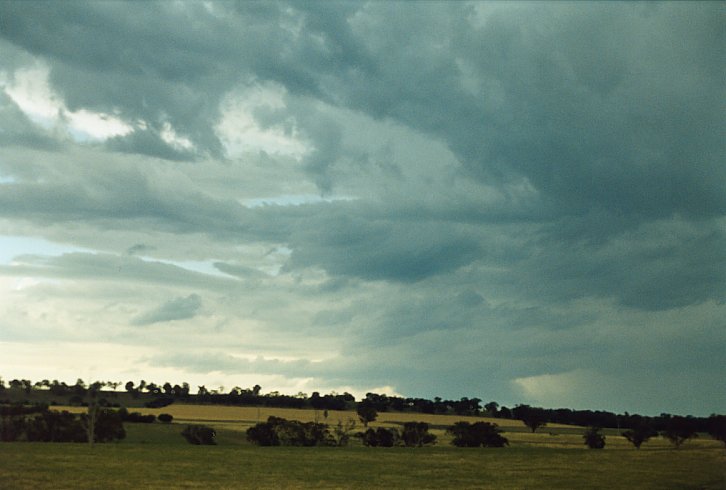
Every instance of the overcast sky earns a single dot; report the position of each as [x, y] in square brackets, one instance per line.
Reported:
[520, 202]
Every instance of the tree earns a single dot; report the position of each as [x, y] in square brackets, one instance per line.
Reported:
[593, 438]
[478, 434]
[533, 417]
[52, 426]
[679, 430]
[90, 419]
[281, 432]
[717, 427]
[168, 389]
[416, 434]
[129, 386]
[366, 413]
[491, 408]
[640, 433]
[380, 437]
[109, 426]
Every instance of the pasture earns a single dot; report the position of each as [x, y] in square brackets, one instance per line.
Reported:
[156, 456]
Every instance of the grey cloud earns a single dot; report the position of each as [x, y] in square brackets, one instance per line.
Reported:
[239, 270]
[181, 308]
[147, 142]
[112, 267]
[537, 187]
[17, 130]
[666, 264]
[353, 244]
[138, 248]
[206, 362]
[579, 146]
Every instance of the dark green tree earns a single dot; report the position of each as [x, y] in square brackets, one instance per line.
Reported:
[491, 408]
[679, 430]
[278, 431]
[478, 434]
[640, 433]
[532, 417]
[366, 413]
[593, 438]
[380, 437]
[717, 427]
[416, 434]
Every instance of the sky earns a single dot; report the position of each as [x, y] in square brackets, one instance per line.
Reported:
[519, 202]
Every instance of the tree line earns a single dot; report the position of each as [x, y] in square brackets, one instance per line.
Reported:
[636, 428]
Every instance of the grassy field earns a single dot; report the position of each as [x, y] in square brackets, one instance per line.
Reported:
[156, 456]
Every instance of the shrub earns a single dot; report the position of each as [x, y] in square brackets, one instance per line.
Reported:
[593, 438]
[109, 426]
[416, 434]
[380, 437]
[39, 424]
[200, 435]
[135, 417]
[342, 432]
[165, 418]
[281, 432]
[478, 434]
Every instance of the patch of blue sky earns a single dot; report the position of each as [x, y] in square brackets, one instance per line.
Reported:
[15, 246]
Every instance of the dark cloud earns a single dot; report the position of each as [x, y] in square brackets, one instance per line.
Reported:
[353, 244]
[175, 309]
[17, 130]
[496, 197]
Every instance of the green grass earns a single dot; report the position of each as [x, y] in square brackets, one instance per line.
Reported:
[157, 457]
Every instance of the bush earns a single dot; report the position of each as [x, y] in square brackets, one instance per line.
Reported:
[38, 424]
[380, 437]
[136, 417]
[342, 432]
[281, 432]
[200, 435]
[593, 438]
[109, 426]
[165, 418]
[478, 434]
[416, 434]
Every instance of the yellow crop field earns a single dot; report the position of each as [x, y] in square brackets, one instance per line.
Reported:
[251, 415]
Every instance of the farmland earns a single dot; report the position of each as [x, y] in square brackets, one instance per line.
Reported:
[156, 456]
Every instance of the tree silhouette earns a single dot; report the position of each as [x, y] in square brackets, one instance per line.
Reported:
[593, 438]
[679, 430]
[532, 417]
[639, 434]
[366, 413]
[717, 427]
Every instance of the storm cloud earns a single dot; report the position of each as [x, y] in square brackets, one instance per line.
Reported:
[523, 202]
